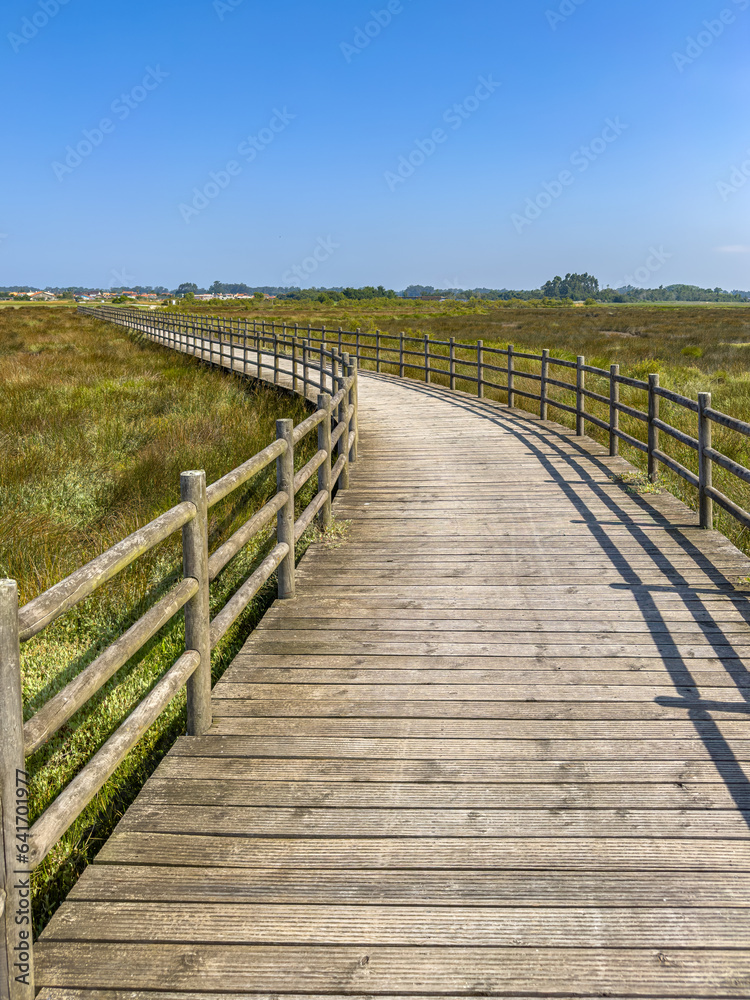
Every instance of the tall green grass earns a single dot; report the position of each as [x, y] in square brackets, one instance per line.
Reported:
[95, 428]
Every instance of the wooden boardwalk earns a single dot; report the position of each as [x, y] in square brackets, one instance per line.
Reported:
[497, 746]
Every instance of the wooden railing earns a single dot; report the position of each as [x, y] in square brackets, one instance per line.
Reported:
[24, 846]
[484, 371]
[450, 363]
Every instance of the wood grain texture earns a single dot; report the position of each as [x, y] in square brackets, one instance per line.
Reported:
[497, 745]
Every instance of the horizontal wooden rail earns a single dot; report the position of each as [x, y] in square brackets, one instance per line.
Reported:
[71, 802]
[48, 607]
[56, 712]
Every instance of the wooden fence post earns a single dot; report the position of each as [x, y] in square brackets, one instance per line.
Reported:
[16, 948]
[275, 344]
[580, 385]
[294, 364]
[305, 364]
[705, 467]
[543, 386]
[359, 334]
[511, 379]
[614, 413]
[285, 518]
[324, 472]
[401, 355]
[653, 430]
[342, 449]
[197, 612]
[353, 372]
[377, 351]
[427, 374]
[480, 368]
[452, 362]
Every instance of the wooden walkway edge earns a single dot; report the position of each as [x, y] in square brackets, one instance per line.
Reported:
[497, 745]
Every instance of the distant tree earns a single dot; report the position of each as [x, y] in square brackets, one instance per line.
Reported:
[572, 286]
[187, 286]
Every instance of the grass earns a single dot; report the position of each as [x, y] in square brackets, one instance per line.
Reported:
[95, 430]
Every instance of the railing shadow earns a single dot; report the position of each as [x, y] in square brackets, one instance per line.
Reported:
[570, 452]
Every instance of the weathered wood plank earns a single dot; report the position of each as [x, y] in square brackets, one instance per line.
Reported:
[345, 823]
[377, 970]
[449, 927]
[677, 707]
[665, 854]
[165, 793]
[418, 887]
[98, 994]
[228, 739]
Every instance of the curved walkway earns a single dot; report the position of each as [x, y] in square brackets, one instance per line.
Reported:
[497, 746]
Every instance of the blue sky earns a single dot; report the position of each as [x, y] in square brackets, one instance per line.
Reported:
[453, 144]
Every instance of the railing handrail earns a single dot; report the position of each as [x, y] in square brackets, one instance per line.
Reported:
[427, 361]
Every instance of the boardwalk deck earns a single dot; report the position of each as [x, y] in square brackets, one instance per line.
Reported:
[498, 745]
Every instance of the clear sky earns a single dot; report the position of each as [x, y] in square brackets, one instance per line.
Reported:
[472, 143]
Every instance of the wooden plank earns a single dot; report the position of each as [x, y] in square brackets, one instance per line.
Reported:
[377, 970]
[182, 762]
[404, 926]
[733, 707]
[228, 738]
[381, 646]
[146, 816]
[709, 628]
[165, 793]
[589, 669]
[663, 854]
[485, 693]
[65, 994]
[494, 729]
[418, 887]
[99, 994]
